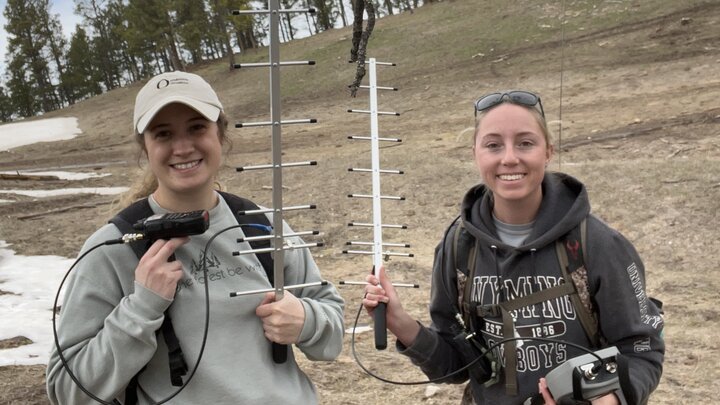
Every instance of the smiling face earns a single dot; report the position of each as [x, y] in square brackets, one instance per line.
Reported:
[184, 152]
[511, 151]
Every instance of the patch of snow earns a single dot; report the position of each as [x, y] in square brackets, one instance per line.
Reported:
[48, 130]
[30, 284]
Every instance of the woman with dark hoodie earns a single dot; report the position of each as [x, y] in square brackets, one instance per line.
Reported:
[515, 218]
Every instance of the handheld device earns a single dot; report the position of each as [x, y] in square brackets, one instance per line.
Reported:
[585, 378]
[173, 225]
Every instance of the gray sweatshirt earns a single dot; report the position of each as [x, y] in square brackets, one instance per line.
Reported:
[616, 278]
[108, 325]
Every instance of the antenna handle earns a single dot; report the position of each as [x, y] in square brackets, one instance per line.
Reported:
[380, 326]
[279, 353]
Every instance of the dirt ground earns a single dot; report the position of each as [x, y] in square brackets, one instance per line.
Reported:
[640, 125]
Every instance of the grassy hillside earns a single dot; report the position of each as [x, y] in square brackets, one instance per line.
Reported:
[472, 45]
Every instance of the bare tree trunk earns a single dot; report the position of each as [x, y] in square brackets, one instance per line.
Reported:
[360, 40]
[288, 20]
[407, 5]
[250, 37]
[164, 62]
[307, 18]
[282, 31]
[389, 6]
[341, 6]
[175, 61]
[225, 37]
[132, 67]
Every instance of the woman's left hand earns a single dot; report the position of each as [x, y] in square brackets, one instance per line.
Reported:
[609, 399]
[282, 320]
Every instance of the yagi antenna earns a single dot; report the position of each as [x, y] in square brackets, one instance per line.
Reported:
[276, 237]
[378, 246]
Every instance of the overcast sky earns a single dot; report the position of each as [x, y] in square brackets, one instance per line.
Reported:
[64, 8]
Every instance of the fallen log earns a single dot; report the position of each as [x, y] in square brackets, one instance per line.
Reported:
[63, 209]
[18, 176]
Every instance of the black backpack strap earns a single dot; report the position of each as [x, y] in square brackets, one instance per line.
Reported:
[140, 209]
[178, 367]
[131, 397]
[239, 204]
[124, 221]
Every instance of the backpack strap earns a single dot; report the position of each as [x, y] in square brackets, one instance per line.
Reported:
[464, 249]
[506, 307]
[140, 209]
[238, 204]
[124, 221]
[572, 256]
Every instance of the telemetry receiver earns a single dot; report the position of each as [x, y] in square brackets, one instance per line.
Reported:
[585, 377]
[173, 225]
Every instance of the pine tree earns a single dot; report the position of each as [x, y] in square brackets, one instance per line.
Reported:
[155, 21]
[141, 47]
[242, 26]
[23, 103]
[99, 15]
[219, 29]
[324, 14]
[126, 66]
[50, 28]
[192, 21]
[30, 82]
[81, 78]
[245, 27]
[6, 110]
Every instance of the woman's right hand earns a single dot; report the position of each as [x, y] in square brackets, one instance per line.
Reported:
[399, 322]
[156, 273]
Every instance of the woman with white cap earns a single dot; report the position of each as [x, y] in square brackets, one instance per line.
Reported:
[115, 304]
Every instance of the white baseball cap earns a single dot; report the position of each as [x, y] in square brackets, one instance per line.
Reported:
[175, 87]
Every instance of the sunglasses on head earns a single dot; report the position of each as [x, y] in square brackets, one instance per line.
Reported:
[520, 97]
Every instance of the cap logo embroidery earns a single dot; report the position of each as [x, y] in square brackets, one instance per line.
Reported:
[165, 82]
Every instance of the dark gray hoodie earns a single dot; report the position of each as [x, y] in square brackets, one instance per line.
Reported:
[616, 279]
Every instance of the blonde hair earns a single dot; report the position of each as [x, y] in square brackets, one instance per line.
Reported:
[148, 182]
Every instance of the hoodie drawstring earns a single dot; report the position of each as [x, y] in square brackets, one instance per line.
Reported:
[533, 260]
[501, 284]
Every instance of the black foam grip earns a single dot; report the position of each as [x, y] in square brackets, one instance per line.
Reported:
[279, 353]
[380, 326]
